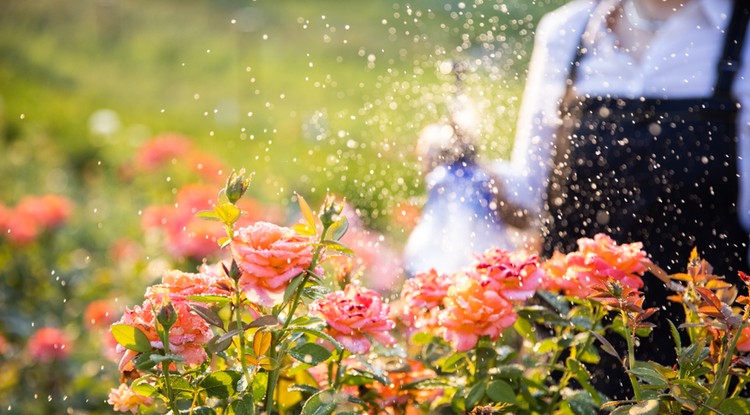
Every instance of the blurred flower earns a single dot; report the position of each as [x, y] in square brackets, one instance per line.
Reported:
[99, 314]
[125, 250]
[161, 150]
[48, 344]
[269, 256]
[355, 315]
[596, 261]
[22, 229]
[420, 295]
[472, 311]
[408, 371]
[186, 337]
[381, 263]
[743, 344]
[124, 399]
[515, 275]
[49, 211]
[4, 347]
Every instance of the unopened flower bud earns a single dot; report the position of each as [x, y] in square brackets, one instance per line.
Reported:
[167, 316]
[237, 185]
[330, 211]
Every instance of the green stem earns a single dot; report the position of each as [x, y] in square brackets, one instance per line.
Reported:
[273, 377]
[164, 335]
[337, 379]
[238, 318]
[631, 357]
[721, 382]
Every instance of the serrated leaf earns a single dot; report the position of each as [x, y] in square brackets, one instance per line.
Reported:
[339, 228]
[219, 300]
[244, 405]
[310, 353]
[220, 384]
[131, 338]
[501, 391]
[322, 403]
[262, 342]
[306, 211]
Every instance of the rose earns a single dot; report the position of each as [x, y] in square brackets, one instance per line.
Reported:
[48, 344]
[125, 399]
[186, 337]
[420, 296]
[355, 315]
[515, 275]
[472, 311]
[269, 256]
[177, 286]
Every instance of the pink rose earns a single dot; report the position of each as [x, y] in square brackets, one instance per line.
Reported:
[48, 344]
[124, 399]
[354, 316]
[177, 286]
[269, 256]
[472, 311]
[422, 294]
[186, 337]
[515, 275]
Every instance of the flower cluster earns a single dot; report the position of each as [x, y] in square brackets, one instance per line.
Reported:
[33, 215]
[597, 261]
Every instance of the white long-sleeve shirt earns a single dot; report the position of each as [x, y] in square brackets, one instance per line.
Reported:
[680, 62]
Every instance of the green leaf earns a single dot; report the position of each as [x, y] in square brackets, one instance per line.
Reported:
[476, 394]
[131, 338]
[260, 384]
[244, 405]
[220, 384]
[581, 403]
[357, 380]
[322, 403]
[306, 321]
[339, 228]
[310, 353]
[315, 292]
[501, 391]
[319, 334]
[159, 358]
[207, 215]
[306, 211]
[421, 338]
[219, 343]
[525, 329]
[143, 388]
[649, 375]
[303, 229]
[606, 345]
[219, 300]
[143, 361]
[454, 362]
[675, 335]
[428, 384]
[735, 406]
[292, 287]
[227, 213]
[338, 247]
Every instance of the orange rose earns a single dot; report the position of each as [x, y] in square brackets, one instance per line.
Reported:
[472, 311]
[269, 256]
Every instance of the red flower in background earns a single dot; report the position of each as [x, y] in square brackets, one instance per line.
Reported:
[48, 344]
[33, 215]
[162, 150]
[99, 314]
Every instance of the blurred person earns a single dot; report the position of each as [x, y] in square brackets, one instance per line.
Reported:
[635, 122]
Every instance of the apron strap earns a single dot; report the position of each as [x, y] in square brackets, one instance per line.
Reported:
[731, 55]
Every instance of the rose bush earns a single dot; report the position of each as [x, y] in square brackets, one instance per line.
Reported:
[281, 326]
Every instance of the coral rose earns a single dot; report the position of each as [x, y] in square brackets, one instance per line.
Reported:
[269, 256]
[186, 337]
[422, 294]
[177, 286]
[515, 275]
[354, 316]
[124, 399]
[48, 344]
[472, 311]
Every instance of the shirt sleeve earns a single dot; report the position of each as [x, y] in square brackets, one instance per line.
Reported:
[525, 176]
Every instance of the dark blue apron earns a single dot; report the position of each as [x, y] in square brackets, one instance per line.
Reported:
[658, 171]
